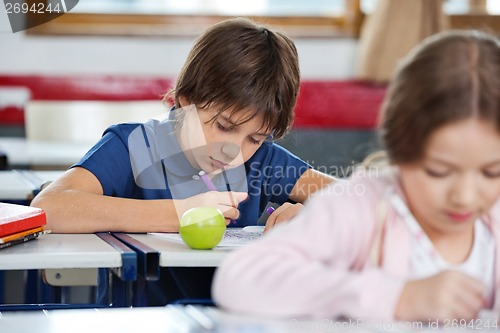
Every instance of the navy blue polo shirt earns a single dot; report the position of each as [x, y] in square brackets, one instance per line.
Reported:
[145, 161]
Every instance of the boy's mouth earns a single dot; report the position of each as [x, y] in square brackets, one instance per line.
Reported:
[218, 164]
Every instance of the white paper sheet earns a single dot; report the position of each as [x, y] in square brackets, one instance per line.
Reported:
[232, 238]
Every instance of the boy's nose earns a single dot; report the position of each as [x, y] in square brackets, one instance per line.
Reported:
[231, 150]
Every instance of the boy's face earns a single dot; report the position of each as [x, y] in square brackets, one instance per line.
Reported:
[458, 178]
[223, 144]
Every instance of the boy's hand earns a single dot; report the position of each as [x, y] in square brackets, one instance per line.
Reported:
[282, 214]
[227, 202]
[447, 295]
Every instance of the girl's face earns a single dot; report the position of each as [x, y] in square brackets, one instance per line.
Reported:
[221, 144]
[458, 178]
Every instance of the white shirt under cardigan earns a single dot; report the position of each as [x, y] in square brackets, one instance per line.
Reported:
[425, 260]
[479, 264]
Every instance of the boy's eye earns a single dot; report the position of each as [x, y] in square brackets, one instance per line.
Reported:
[224, 128]
[252, 140]
[437, 173]
[231, 128]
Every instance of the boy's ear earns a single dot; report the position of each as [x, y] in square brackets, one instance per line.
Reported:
[184, 101]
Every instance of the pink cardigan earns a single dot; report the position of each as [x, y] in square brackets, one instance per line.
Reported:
[318, 265]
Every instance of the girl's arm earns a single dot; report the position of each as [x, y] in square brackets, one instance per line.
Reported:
[75, 204]
[311, 269]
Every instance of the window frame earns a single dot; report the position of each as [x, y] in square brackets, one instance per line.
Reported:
[163, 25]
[166, 25]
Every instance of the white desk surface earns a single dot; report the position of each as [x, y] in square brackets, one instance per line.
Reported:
[20, 184]
[60, 251]
[13, 186]
[177, 319]
[174, 254]
[147, 320]
[21, 151]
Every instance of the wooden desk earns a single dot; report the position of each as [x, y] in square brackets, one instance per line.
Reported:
[44, 154]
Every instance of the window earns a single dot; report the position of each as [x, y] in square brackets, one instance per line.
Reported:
[452, 7]
[478, 14]
[465, 7]
[190, 17]
[298, 18]
[463, 14]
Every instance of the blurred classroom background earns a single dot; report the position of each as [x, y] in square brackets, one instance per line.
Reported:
[65, 80]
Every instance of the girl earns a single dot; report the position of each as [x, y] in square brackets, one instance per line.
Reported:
[417, 240]
[236, 90]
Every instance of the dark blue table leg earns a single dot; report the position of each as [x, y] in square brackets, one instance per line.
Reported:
[120, 279]
[2, 287]
[148, 267]
[31, 286]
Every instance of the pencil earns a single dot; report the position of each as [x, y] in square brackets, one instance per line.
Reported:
[207, 181]
[270, 210]
[229, 190]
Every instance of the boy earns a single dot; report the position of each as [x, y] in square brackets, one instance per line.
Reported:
[237, 88]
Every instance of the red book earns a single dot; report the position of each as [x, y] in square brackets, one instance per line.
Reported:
[17, 218]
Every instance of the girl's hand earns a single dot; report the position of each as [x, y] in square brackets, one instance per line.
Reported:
[227, 202]
[447, 295]
[282, 214]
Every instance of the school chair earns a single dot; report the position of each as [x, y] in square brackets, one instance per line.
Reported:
[3, 161]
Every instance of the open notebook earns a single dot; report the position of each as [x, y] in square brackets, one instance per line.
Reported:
[19, 224]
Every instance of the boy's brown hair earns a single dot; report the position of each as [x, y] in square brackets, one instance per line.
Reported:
[450, 77]
[239, 65]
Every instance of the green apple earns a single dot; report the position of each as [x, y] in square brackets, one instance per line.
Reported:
[202, 228]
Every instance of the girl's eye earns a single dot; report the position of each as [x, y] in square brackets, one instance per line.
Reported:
[436, 174]
[491, 174]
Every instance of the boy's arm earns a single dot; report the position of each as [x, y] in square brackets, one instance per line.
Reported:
[75, 204]
[310, 182]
